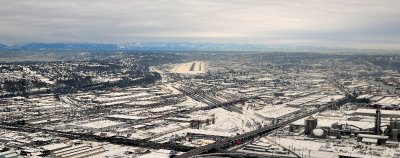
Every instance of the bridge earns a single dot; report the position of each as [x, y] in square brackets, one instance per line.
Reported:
[236, 140]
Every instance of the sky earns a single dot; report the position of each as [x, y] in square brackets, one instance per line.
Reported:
[362, 24]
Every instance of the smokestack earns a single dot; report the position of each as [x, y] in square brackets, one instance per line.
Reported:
[377, 129]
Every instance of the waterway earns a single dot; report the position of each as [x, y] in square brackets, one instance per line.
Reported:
[390, 89]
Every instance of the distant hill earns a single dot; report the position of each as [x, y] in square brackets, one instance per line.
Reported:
[65, 46]
[189, 46]
[3, 46]
[167, 46]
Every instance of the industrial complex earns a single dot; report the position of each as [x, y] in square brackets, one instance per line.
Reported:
[253, 105]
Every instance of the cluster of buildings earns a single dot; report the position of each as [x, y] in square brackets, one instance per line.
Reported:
[198, 103]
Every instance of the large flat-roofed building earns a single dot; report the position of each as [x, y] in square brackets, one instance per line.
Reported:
[82, 150]
[372, 139]
[276, 112]
[112, 98]
[55, 147]
[125, 118]
[99, 125]
[372, 112]
[328, 122]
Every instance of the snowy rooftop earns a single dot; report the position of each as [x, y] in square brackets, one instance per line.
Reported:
[125, 97]
[57, 146]
[162, 109]
[100, 124]
[328, 122]
[372, 112]
[127, 117]
[276, 111]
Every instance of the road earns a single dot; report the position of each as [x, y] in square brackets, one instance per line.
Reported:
[341, 88]
[230, 142]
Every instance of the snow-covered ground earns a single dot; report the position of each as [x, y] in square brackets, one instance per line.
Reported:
[39, 76]
[173, 89]
[190, 103]
[194, 67]
[323, 149]
[163, 76]
[161, 153]
[234, 122]
[114, 151]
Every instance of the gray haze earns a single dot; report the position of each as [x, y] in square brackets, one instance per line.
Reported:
[371, 24]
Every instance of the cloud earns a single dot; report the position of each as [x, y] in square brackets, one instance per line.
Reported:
[343, 23]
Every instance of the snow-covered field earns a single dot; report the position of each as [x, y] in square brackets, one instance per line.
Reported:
[323, 149]
[194, 67]
[228, 121]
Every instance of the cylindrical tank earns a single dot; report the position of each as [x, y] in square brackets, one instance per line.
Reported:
[310, 124]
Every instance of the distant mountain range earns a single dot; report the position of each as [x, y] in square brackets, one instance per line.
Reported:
[178, 46]
[61, 46]
[168, 46]
[3, 46]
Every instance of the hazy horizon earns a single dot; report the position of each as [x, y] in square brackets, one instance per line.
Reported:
[357, 24]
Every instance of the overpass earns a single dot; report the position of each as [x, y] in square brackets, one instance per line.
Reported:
[236, 140]
[190, 151]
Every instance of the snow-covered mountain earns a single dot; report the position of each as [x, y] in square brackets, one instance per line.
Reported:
[167, 46]
[177, 46]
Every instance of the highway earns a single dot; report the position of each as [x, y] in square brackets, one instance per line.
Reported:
[341, 89]
[232, 141]
[190, 151]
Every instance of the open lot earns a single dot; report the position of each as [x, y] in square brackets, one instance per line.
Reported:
[190, 67]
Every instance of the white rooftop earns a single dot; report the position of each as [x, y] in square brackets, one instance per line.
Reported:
[127, 117]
